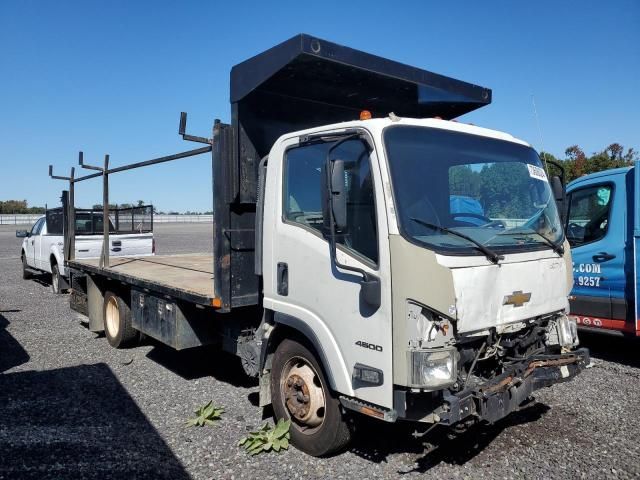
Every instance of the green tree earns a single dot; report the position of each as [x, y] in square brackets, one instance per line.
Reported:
[17, 207]
[503, 191]
[576, 163]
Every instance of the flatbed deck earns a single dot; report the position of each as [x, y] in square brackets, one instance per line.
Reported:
[188, 277]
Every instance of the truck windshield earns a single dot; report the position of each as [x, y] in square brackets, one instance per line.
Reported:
[494, 192]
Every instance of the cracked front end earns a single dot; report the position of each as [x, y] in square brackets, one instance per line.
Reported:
[467, 357]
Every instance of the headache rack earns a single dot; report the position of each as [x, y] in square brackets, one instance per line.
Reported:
[301, 83]
[90, 221]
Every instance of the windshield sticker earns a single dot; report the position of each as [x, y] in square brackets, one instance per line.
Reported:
[537, 172]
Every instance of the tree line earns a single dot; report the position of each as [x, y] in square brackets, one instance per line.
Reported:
[576, 163]
[18, 207]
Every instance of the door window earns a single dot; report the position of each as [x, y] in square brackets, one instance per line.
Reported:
[588, 218]
[54, 222]
[303, 199]
[35, 230]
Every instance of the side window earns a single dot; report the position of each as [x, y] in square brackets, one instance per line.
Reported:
[54, 222]
[588, 218]
[302, 194]
[35, 230]
[302, 199]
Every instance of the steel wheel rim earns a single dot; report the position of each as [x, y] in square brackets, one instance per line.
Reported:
[112, 316]
[302, 394]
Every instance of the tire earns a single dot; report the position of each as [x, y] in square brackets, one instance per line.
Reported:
[117, 322]
[295, 370]
[55, 279]
[26, 274]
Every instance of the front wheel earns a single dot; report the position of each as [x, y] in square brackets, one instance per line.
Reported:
[55, 280]
[300, 392]
[26, 274]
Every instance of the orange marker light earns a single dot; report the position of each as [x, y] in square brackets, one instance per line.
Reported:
[216, 302]
[365, 115]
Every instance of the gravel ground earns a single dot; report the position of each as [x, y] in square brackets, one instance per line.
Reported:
[72, 407]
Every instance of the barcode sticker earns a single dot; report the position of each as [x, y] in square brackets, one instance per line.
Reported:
[537, 172]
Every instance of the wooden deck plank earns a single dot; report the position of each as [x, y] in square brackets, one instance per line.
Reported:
[188, 273]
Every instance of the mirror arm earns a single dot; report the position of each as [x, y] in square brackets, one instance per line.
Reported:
[365, 275]
[332, 223]
[370, 284]
[559, 167]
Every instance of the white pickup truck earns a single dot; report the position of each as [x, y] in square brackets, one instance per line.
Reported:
[43, 245]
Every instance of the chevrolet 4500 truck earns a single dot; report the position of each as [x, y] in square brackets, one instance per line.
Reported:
[386, 262]
[603, 228]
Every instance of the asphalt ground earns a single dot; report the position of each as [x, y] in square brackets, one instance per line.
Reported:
[73, 407]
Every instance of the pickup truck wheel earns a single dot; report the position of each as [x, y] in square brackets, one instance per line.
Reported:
[117, 322]
[55, 279]
[26, 274]
[300, 392]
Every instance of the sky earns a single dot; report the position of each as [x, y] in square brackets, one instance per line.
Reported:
[112, 77]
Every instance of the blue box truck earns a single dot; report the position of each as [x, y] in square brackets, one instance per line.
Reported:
[603, 229]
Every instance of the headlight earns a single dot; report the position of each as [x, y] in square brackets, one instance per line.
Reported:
[567, 331]
[432, 368]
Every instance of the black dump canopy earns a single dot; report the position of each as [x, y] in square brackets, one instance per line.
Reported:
[306, 82]
[301, 83]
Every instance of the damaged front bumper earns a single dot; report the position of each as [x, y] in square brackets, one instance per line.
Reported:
[506, 393]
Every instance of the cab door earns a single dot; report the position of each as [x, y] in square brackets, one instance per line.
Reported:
[596, 227]
[37, 247]
[300, 279]
[30, 248]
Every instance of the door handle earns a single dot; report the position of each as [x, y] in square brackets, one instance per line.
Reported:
[283, 279]
[603, 257]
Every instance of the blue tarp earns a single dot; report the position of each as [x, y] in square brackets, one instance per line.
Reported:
[464, 204]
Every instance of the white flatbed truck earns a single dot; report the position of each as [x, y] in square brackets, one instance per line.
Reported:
[344, 274]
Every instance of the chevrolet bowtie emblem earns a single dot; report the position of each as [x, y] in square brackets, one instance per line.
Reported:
[517, 299]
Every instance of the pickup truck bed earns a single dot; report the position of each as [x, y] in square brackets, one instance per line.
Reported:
[188, 277]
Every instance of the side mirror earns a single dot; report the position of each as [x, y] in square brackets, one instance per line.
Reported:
[22, 233]
[560, 196]
[334, 195]
[334, 219]
[557, 188]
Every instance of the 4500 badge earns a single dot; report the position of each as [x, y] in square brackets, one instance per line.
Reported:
[370, 346]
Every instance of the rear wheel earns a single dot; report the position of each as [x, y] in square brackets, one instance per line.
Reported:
[300, 392]
[55, 279]
[26, 274]
[117, 322]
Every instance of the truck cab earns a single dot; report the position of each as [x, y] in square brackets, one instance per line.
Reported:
[460, 293]
[370, 254]
[602, 228]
